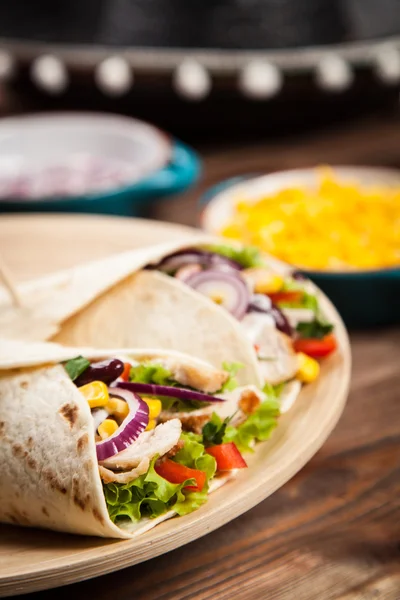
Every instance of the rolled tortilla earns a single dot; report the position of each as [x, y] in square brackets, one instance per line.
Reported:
[49, 470]
[113, 303]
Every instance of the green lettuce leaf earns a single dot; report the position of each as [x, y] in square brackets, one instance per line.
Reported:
[247, 257]
[231, 383]
[193, 455]
[257, 427]
[151, 373]
[151, 495]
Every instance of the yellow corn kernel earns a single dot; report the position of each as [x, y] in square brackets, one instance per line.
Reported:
[107, 428]
[151, 425]
[309, 368]
[269, 285]
[154, 407]
[118, 408]
[96, 393]
[262, 280]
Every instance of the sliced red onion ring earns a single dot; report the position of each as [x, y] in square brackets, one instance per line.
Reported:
[219, 261]
[184, 272]
[153, 389]
[175, 261]
[224, 287]
[131, 427]
[299, 276]
[192, 256]
[263, 304]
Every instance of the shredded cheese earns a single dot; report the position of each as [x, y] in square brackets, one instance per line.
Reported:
[335, 226]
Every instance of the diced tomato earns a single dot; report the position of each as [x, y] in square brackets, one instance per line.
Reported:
[126, 371]
[227, 456]
[317, 348]
[257, 348]
[288, 296]
[176, 473]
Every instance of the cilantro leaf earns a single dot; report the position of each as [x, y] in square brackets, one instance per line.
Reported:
[76, 366]
[214, 431]
[314, 329]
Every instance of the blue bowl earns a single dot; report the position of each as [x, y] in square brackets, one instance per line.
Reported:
[363, 298]
[164, 166]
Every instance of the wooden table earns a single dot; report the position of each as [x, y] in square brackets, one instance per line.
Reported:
[332, 532]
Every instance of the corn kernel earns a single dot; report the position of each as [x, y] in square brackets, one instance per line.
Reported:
[269, 285]
[263, 281]
[118, 408]
[154, 407]
[96, 393]
[107, 428]
[151, 425]
[309, 368]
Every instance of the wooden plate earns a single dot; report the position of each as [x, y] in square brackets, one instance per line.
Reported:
[33, 560]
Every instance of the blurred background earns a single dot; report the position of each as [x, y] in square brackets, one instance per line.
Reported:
[205, 67]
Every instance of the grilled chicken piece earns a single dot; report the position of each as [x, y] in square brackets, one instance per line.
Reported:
[278, 360]
[126, 476]
[204, 378]
[157, 441]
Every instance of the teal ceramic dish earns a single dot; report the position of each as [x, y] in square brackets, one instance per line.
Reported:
[363, 298]
[142, 164]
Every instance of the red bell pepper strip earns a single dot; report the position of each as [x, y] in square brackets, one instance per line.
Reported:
[289, 296]
[177, 473]
[227, 456]
[316, 348]
[126, 371]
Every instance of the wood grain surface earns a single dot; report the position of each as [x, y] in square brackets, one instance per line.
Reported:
[333, 531]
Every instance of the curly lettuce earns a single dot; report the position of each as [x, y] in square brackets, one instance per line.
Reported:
[257, 427]
[247, 257]
[150, 495]
[151, 373]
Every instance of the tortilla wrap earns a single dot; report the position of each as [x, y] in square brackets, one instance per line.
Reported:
[112, 303]
[49, 470]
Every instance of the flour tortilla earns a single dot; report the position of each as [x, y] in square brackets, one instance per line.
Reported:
[49, 472]
[113, 303]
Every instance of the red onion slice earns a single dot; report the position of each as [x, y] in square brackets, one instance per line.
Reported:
[153, 389]
[193, 256]
[175, 261]
[131, 427]
[184, 272]
[227, 288]
[263, 304]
